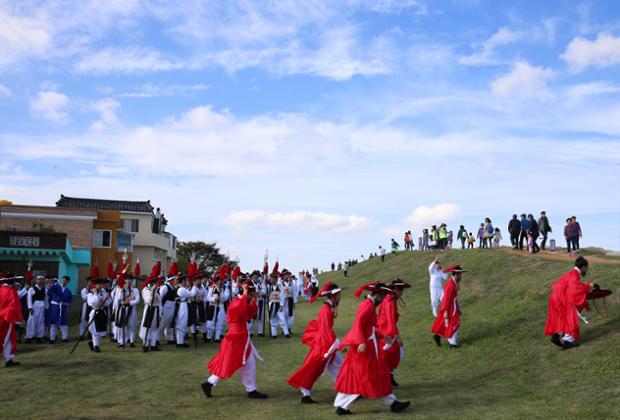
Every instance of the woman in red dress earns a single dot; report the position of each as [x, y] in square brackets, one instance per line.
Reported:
[319, 335]
[448, 321]
[363, 371]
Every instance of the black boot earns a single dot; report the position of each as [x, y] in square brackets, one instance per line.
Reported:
[145, 349]
[398, 406]
[206, 388]
[555, 339]
[256, 395]
[204, 338]
[343, 411]
[307, 400]
[90, 346]
[394, 383]
[569, 345]
[97, 349]
[11, 363]
[437, 340]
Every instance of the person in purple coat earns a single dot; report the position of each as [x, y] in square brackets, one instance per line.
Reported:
[60, 298]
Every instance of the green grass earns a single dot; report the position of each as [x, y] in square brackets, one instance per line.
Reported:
[505, 368]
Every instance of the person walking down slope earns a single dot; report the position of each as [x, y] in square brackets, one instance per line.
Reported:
[448, 323]
[544, 227]
[514, 229]
[461, 235]
[437, 277]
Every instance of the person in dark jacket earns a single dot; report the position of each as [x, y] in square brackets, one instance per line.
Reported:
[525, 226]
[545, 228]
[514, 228]
[534, 230]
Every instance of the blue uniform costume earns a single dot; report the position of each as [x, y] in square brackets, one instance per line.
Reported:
[58, 314]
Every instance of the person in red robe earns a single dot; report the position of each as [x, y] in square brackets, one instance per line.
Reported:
[392, 349]
[448, 321]
[363, 371]
[568, 298]
[319, 335]
[10, 316]
[237, 353]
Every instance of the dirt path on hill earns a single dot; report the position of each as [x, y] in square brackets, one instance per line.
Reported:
[561, 256]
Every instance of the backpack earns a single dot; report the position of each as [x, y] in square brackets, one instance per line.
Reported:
[490, 228]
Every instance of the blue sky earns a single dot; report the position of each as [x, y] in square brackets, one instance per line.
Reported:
[318, 129]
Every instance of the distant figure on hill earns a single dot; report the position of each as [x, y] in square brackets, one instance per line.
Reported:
[488, 233]
[471, 240]
[525, 226]
[382, 253]
[480, 235]
[578, 232]
[450, 239]
[461, 235]
[568, 298]
[571, 235]
[395, 246]
[346, 269]
[333, 266]
[544, 227]
[497, 237]
[514, 229]
[534, 231]
[442, 234]
[437, 277]
[425, 236]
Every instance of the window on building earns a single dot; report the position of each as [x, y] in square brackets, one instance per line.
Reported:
[124, 242]
[102, 238]
[131, 225]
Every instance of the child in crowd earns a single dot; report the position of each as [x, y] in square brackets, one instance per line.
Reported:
[471, 240]
[530, 242]
[497, 237]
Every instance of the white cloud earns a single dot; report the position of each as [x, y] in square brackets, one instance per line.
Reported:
[130, 59]
[149, 90]
[303, 220]
[583, 90]
[106, 108]
[486, 55]
[601, 53]
[522, 81]
[424, 216]
[22, 38]
[50, 106]
[5, 91]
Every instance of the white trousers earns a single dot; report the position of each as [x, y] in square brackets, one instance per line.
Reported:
[289, 321]
[35, 327]
[247, 373]
[452, 340]
[333, 368]
[436, 295]
[167, 314]
[6, 345]
[568, 337]
[64, 330]
[279, 319]
[345, 400]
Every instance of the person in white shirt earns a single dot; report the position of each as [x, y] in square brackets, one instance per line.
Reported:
[288, 300]
[217, 296]
[37, 302]
[276, 316]
[168, 294]
[149, 327]
[437, 277]
[98, 320]
[185, 293]
[261, 292]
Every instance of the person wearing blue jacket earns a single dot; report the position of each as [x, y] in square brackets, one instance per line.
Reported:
[59, 297]
[525, 226]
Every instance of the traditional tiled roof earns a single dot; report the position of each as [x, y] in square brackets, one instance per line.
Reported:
[98, 204]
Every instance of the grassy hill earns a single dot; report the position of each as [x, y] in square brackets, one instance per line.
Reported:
[505, 368]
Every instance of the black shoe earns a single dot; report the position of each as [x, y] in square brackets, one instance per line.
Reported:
[251, 335]
[307, 400]
[97, 349]
[132, 345]
[66, 340]
[206, 389]
[288, 336]
[81, 338]
[555, 339]
[52, 341]
[158, 343]
[274, 336]
[90, 346]
[28, 340]
[11, 363]
[454, 346]
[39, 340]
[398, 406]
[204, 338]
[171, 342]
[156, 348]
[121, 346]
[256, 395]
[261, 335]
[437, 340]
[343, 412]
[394, 383]
[145, 349]
[184, 346]
[569, 345]
[217, 341]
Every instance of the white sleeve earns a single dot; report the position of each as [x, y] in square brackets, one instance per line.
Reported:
[29, 299]
[147, 296]
[84, 294]
[135, 298]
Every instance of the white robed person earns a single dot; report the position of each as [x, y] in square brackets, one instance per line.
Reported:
[97, 300]
[437, 278]
[149, 327]
[37, 303]
[168, 294]
[217, 297]
[84, 310]
[185, 292]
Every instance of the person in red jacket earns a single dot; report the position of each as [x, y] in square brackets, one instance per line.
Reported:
[568, 298]
[363, 372]
[237, 353]
[319, 335]
[448, 321]
[392, 349]
[10, 315]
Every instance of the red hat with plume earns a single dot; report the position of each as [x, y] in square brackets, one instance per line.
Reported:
[174, 269]
[374, 287]
[328, 289]
[455, 269]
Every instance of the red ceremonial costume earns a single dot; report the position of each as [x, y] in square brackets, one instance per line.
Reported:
[10, 314]
[364, 373]
[320, 337]
[448, 303]
[236, 347]
[568, 296]
[387, 326]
